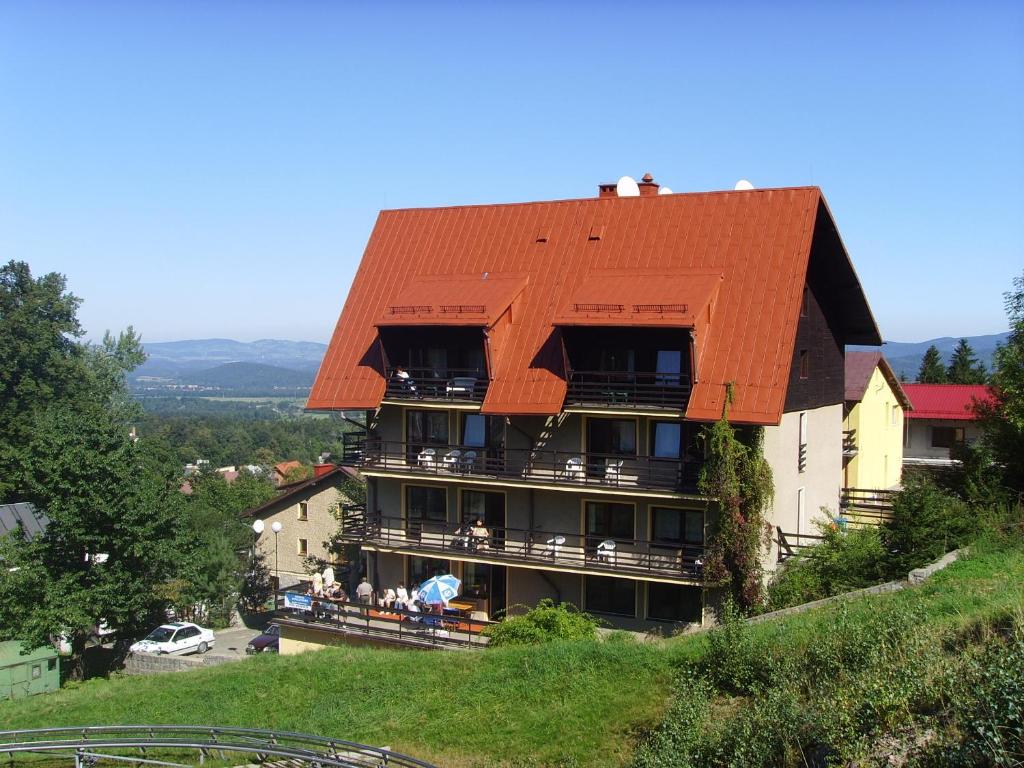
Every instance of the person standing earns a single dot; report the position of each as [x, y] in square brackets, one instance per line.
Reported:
[364, 594]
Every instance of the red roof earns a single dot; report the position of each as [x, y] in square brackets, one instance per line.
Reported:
[945, 401]
[453, 300]
[758, 242]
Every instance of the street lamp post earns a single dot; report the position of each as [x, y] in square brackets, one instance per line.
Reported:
[276, 528]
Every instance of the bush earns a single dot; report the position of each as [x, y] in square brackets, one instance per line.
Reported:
[926, 523]
[543, 624]
[844, 561]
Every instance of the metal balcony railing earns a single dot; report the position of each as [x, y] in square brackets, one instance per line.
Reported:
[595, 552]
[449, 384]
[849, 443]
[627, 389]
[549, 467]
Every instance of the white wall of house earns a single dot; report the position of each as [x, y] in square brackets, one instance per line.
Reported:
[918, 443]
[800, 494]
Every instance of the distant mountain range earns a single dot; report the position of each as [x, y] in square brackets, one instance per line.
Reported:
[274, 364]
[905, 357]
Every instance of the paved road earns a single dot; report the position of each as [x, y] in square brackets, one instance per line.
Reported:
[231, 642]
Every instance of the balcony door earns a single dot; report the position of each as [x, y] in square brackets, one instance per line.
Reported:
[484, 436]
[609, 521]
[425, 431]
[488, 506]
[609, 442]
[679, 533]
[426, 511]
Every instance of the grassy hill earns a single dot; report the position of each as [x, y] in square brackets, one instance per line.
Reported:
[592, 703]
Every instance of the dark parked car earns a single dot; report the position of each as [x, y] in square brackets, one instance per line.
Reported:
[267, 642]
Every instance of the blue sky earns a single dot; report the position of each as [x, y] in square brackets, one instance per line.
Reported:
[214, 169]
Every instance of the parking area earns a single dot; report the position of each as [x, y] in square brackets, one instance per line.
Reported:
[231, 642]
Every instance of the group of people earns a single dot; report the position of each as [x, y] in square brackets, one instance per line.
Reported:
[472, 536]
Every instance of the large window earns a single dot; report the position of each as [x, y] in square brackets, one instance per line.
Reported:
[677, 527]
[616, 437]
[479, 431]
[425, 506]
[606, 520]
[424, 428]
[947, 437]
[423, 568]
[666, 439]
[671, 602]
[488, 506]
[603, 594]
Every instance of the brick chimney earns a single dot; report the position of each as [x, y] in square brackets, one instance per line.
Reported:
[606, 190]
[319, 470]
[648, 186]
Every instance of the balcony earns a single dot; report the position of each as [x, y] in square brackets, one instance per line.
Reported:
[849, 443]
[536, 548]
[451, 385]
[559, 470]
[618, 389]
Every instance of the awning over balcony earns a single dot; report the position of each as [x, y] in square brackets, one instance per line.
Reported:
[641, 298]
[467, 300]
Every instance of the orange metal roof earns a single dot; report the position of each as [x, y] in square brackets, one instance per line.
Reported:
[643, 298]
[453, 300]
[759, 241]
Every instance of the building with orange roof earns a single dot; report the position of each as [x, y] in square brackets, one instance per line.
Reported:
[546, 369]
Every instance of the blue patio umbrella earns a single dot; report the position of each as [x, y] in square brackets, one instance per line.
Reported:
[439, 589]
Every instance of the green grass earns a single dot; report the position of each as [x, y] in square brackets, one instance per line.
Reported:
[583, 703]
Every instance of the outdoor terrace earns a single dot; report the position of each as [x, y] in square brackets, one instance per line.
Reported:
[560, 470]
[530, 548]
[450, 385]
[619, 389]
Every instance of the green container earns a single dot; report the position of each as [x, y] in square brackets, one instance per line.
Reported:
[28, 674]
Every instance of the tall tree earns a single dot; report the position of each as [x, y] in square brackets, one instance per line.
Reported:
[964, 367]
[112, 530]
[932, 370]
[1003, 419]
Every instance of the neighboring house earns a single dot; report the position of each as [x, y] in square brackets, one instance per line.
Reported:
[548, 367]
[281, 472]
[872, 423]
[305, 512]
[943, 418]
[22, 515]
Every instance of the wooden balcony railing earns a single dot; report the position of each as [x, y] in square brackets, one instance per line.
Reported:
[555, 549]
[558, 468]
[849, 443]
[450, 384]
[610, 389]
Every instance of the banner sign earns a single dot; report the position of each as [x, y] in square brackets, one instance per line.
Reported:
[296, 600]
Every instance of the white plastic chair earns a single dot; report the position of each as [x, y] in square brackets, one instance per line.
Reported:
[451, 460]
[574, 468]
[427, 458]
[613, 470]
[606, 551]
[555, 546]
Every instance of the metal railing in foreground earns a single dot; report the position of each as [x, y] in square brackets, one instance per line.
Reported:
[83, 742]
[375, 622]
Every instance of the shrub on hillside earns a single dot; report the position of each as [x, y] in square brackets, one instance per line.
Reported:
[843, 561]
[926, 523]
[543, 624]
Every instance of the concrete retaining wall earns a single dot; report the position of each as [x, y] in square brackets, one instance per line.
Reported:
[148, 663]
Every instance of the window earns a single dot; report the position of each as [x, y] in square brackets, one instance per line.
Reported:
[806, 303]
[606, 520]
[670, 602]
[799, 510]
[51, 664]
[37, 671]
[666, 439]
[423, 568]
[947, 437]
[895, 415]
[425, 504]
[303, 510]
[801, 456]
[476, 580]
[302, 548]
[677, 527]
[668, 361]
[603, 594]
[488, 506]
[479, 431]
[805, 365]
[426, 427]
[616, 437]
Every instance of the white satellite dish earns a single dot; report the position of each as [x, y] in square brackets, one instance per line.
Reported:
[627, 187]
[664, 191]
[743, 185]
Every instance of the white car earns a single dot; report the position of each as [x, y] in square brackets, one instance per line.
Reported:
[178, 637]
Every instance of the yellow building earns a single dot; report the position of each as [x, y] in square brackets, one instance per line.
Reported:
[872, 423]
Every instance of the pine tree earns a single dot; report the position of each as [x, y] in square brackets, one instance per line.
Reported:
[964, 367]
[932, 371]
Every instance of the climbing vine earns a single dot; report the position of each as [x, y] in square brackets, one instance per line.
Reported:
[737, 474]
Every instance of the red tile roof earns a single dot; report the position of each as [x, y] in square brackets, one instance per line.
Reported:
[759, 242]
[945, 401]
[859, 368]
